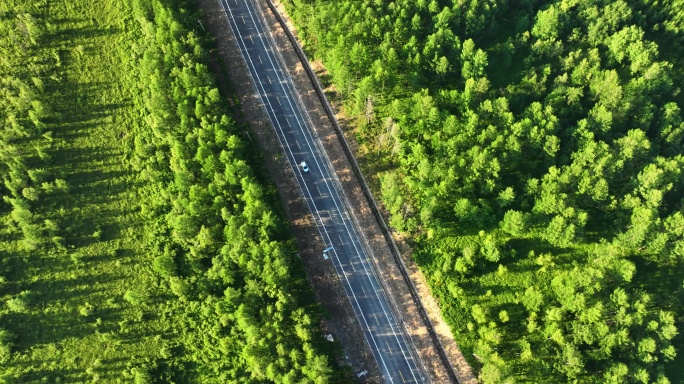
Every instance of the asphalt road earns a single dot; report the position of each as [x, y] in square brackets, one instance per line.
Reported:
[380, 327]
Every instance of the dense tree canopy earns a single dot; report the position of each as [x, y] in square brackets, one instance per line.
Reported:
[211, 226]
[533, 150]
[138, 240]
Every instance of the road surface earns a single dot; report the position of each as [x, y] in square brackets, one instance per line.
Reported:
[379, 324]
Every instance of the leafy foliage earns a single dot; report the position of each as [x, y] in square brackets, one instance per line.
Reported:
[533, 151]
[137, 242]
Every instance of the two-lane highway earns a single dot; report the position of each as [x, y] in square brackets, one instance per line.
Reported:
[380, 326]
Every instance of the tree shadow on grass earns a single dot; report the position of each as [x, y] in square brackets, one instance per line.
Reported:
[54, 303]
[82, 165]
[479, 291]
[54, 371]
[100, 184]
[85, 229]
[77, 107]
[77, 130]
[663, 282]
[37, 328]
[523, 247]
[58, 265]
[73, 288]
[85, 152]
[67, 35]
[33, 374]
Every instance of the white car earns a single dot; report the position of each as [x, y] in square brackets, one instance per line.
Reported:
[305, 167]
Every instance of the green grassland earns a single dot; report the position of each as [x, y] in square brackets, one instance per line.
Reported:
[532, 153]
[137, 244]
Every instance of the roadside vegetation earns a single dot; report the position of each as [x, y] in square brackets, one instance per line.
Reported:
[138, 242]
[532, 151]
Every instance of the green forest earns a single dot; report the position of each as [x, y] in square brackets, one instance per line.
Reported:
[532, 153]
[140, 241]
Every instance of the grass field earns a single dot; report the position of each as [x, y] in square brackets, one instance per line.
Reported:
[77, 326]
[86, 300]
